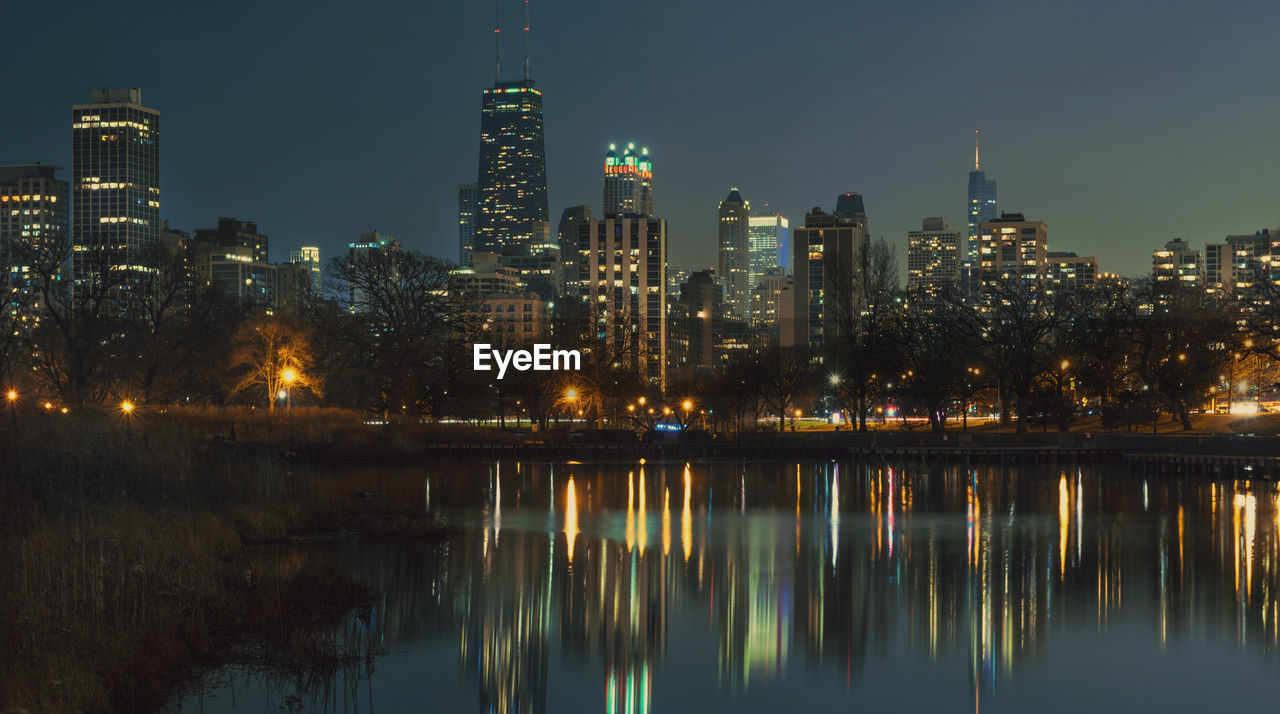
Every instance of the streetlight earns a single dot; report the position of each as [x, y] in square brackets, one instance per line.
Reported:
[126, 409]
[796, 415]
[13, 405]
[289, 376]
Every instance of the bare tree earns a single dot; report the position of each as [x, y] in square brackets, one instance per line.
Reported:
[273, 357]
[865, 302]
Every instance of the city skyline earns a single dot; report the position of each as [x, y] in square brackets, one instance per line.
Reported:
[1131, 129]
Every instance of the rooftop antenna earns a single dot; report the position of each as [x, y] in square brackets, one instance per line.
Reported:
[497, 41]
[528, 78]
[975, 150]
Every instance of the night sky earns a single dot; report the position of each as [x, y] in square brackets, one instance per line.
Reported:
[1120, 124]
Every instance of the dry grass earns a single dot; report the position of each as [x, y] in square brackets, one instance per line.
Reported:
[121, 560]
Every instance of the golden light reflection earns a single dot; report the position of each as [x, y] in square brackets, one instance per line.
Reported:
[666, 521]
[686, 518]
[570, 517]
[644, 517]
[631, 511]
[1064, 524]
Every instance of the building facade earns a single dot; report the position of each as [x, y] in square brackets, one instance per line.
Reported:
[115, 186]
[769, 238]
[35, 207]
[829, 255]
[467, 206]
[935, 254]
[1178, 264]
[621, 281]
[772, 303]
[511, 191]
[697, 320]
[735, 254]
[628, 182]
[309, 256]
[1011, 247]
[1068, 271]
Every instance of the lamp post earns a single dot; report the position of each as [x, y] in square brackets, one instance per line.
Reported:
[13, 406]
[289, 375]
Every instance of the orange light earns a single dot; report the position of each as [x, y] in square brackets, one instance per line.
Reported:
[13, 395]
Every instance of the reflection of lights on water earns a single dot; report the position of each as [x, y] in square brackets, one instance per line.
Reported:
[643, 519]
[1244, 523]
[686, 519]
[666, 521]
[835, 513]
[631, 511]
[890, 511]
[570, 517]
[1064, 524]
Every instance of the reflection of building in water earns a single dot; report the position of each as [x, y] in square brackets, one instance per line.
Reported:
[754, 600]
[845, 563]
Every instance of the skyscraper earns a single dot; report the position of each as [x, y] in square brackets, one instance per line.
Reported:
[467, 198]
[933, 258]
[571, 219]
[735, 254]
[829, 251]
[1177, 263]
[512, 183]
[628, 182]
[34, 208]
[232, 260]
[981, 207]
[115, 185]
[621, 282]
[1013, 248]
[769, 237]
[310, 257]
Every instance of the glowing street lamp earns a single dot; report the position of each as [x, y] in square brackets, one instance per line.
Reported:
[289, 376]
[13, 405]
[688, 404]
[126, 410]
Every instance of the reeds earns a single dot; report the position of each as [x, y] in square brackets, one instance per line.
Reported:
[121, 561]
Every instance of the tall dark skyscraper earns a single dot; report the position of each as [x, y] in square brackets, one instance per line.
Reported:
[735, 253]
[512, 183]
[115, 182]
[466, 222]
[981, 207]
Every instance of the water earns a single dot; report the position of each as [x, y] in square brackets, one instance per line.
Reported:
[763, 587]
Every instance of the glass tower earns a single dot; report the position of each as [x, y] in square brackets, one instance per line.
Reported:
[982, 205]
[115, 185]
[511, 209]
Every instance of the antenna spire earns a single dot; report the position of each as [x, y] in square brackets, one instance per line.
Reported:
[975, 151]
[497, 41]
[528, 77]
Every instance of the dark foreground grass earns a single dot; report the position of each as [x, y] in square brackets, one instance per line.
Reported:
[122, 562]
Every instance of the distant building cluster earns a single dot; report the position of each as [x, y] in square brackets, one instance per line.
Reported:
[110, 212]
[774, 283]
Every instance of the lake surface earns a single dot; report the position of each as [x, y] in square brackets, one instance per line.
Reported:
[779, 587]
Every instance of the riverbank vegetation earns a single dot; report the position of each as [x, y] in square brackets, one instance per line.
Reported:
[123, 544]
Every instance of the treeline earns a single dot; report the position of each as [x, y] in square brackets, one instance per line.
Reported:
[391, 336]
